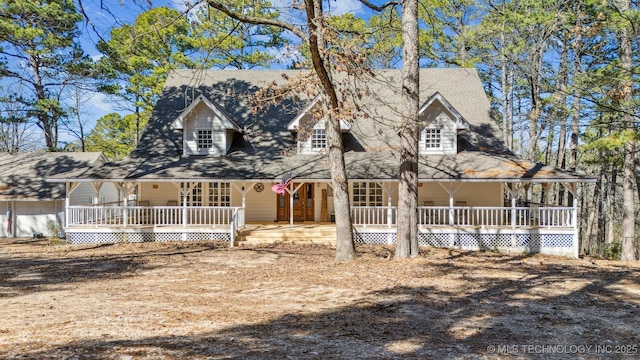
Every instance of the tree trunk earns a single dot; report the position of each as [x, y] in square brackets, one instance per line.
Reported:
[345, 249]
[313, 36]
[407, 236]
[610, 204]
[561, 113]
[628, 196]
[592, 224]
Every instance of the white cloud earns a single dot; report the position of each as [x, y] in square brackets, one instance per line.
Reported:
[340, 7]
[98, 103]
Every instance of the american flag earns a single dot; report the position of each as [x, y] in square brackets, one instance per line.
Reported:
[280, 189]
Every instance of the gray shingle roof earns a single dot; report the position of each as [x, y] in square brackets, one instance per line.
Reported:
[261, 152]
[22, 176]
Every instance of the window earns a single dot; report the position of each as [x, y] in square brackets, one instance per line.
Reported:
[319, 139]
[367, 194]
[219, 194]
[195, 196]
[432, 138]
[205, 139]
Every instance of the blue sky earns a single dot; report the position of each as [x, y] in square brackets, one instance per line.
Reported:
[106, 14]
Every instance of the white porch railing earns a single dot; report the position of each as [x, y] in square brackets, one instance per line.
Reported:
[480, 216]
[518, 217]
[155, 215]
[374, 215]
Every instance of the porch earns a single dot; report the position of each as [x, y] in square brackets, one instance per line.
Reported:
[534, 228]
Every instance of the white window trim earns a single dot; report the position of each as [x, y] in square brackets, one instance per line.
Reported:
[439, 138]
[210, 140]
[366, 193]
[318, 136]
[202, 194]
[217, 198]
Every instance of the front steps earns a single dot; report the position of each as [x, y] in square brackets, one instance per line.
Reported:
[300, 234]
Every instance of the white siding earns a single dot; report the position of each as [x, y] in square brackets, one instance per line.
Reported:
[85, 194]
[437, 116]
[475, 194]
[164, 192]
[203, 118]
[261, 206]
[304, 147]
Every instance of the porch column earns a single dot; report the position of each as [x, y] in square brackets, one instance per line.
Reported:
[184, 192]
[513, 196]
[291, 192]
[70, 187]
[244, 190]
[125, 187]
[388, 188]
[451, 190]
[572, 188]
[97, 185]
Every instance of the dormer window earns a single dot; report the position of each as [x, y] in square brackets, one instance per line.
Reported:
[432, 139]
[309, 130]
[206, 128]
[319, 140]
[205, 139]
[441, 123]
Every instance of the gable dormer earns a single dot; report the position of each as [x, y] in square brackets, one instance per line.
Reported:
[206, 128]
[441, 123]
[310, 133]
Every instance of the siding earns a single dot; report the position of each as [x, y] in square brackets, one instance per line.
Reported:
[475, 194]
[439, 115]
[261, 206]
[85, 194]
[158, 197]
[304, 147]
[203, 118]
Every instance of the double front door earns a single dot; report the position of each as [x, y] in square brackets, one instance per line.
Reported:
[303, 206]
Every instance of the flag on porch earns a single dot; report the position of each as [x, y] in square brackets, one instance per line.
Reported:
[280, 189]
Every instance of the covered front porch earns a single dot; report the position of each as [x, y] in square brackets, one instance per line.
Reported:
[453, 214]
[533, 228]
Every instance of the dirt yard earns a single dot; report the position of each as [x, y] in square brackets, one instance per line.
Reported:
[204, 300]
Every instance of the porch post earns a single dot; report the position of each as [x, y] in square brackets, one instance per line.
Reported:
[450, 190]
[291, 192]
[185, 198]
[244, 190]
[572, 188]
[513, 212]
[97, 185]
[125, 204]
[69, 188]
[388, 189]
[290, 204]
[513, 195]
[451, 217]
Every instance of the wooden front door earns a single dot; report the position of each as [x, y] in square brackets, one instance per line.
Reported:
[303, 204]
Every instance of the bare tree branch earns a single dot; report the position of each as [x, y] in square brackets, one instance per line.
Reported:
[256, 20]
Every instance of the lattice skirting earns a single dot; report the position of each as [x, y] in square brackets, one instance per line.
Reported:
[137, 237]
[555, 244]
[374, 238]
